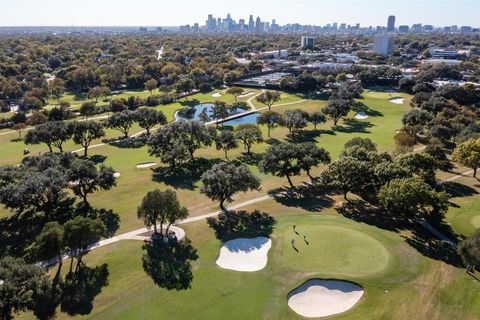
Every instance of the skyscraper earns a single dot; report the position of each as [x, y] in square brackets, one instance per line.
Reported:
[391, 24]
[251, 24]
[258, 25]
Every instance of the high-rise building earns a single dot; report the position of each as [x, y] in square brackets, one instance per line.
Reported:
[251, 24]
[417, 27]
[258, 25]
[343, 26]
[308, 42]
[403, 28]
[391, 24]
[335, 26]
[383, 44]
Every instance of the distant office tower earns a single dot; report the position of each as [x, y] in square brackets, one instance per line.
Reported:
[251, 24]
[465, 29]
[391, 24]
[403, 28]
[308, 42]
[383, 44]
[417, 27]
[357, 26]
[258, 25]
[274, 21]
[343, 26]
[335, 26]
[454, 28]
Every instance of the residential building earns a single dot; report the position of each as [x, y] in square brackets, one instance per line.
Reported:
[383, 44]
[308, 42]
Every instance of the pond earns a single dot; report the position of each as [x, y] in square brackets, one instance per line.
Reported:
[193, 113]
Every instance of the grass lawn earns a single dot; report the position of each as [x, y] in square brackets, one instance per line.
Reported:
[399, 282]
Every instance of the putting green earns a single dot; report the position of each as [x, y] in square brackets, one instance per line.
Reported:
[334, 250]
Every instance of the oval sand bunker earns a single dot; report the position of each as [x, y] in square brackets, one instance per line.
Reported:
[146, 164]
[397, 100]
[321, 298]
[361, 115]
[244, 254]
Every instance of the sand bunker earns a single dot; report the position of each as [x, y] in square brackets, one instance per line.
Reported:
[321, 298]
[146, 164]
[216, 95]
[397, 100]
[244, 254]
[116, 174]
[361, 115]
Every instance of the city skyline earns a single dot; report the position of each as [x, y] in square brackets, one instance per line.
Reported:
[151, 13]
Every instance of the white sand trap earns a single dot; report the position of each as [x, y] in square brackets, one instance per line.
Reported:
[397, 100]
[216, 95]
[361, 115]
[321, 298]
[244, 254]
[146, 164]
[116, 174]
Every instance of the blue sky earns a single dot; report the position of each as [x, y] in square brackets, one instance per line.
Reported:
[176, 12]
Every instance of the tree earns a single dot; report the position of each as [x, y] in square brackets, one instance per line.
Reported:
[295, 120]
[151, 85]
[177, 142]
[184, 86]
[337, 109]
[248, 134]
[348, 174]
[219, 110]
[56, 87]
[19, 127]
[235, 92]
[36, 118]
[467, 153]
[52, 133]
[49, 243]
[148, 118]
[439, 157]
[121, 121]
[223, 180]
[79, 234]
[421, 164]
[161, 208]
[86, 178]
[316, 118]
[312, 156]
[365, 143]
[96, 92]
[469, 250]
[412, 198]
[417, 117]
[21, 285]
[268, 98]
[84, 132]
[270, 118]
[88, 109]
[226, 141]
[281, 160]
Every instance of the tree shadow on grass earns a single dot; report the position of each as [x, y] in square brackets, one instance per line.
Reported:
[169, 264]
[241, 224]
[456, 189]
[272, 141]
[361, 211]
[183, 176]
[303, 136]
[422, 241]
[302, 196]
[190, 103]
[98, 158]
[80, 289]
[252, 159]
[360, 106]
[354, 126]
[131, 142]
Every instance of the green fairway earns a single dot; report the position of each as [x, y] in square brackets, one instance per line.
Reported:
[393, 275]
